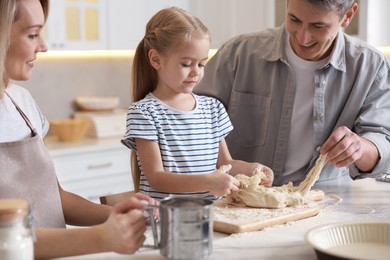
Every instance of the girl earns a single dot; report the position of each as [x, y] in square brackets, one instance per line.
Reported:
[179, 136]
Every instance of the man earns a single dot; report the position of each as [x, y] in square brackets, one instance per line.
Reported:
[303, 89]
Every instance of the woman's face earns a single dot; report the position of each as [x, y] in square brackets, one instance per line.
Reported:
[25, 41]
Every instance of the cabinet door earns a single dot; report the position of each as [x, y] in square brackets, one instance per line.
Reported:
[95, 174]
[153, 6]
[126, 23]
[127, 20]
[77, 25]
[228, 18]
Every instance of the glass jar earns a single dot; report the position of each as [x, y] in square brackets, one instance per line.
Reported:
[16, 237]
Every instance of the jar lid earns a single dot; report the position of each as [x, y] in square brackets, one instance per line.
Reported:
[13, 208]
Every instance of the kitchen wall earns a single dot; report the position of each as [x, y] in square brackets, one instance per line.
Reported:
[56, 82]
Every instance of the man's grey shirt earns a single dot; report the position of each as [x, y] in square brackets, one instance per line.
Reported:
[250, 75]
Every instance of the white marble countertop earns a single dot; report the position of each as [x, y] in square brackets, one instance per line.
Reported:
[56, 147]
[345, 200]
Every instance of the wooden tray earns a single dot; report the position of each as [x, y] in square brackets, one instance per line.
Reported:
[233, 219]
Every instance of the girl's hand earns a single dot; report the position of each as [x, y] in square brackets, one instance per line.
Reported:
[269, 174]
[221, 183]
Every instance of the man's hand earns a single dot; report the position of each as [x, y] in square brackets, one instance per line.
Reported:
[344, 147]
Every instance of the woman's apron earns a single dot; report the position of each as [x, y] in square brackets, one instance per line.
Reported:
[27, 172]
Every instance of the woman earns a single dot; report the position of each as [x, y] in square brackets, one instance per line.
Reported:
[26, 169]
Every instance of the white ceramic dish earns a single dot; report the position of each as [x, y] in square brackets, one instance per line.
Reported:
[351, 240]
[97, 103]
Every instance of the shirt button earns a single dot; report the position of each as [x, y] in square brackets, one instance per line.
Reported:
[286, 113]
[318, 148]
[320, 116]
[322, 83]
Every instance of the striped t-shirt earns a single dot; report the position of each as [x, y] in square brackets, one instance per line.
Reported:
[188, 140]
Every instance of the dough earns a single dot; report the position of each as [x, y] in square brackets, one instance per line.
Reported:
[252, 194]
[305, 186]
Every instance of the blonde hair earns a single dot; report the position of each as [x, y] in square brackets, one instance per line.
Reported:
[9, 14]
[167, 30]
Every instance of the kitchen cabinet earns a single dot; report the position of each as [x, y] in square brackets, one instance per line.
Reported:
[92, 168]
[120, 24]
[224, 18]
[228, 18]
[76, 25]
[127, 19]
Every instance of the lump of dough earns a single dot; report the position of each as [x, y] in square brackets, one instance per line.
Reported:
[252, 194]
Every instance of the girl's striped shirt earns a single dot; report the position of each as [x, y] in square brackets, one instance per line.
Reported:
[188, 140]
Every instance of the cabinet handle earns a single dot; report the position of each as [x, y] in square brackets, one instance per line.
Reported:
[99, 166]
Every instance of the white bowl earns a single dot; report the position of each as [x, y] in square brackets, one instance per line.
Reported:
[351, 240]
[97, 103]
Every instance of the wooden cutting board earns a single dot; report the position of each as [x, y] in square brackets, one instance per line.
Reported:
[233, 219]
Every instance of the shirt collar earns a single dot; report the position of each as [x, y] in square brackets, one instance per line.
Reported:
[337, 57]
[278, 52]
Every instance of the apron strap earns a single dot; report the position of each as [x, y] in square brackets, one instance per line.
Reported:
[28, 122]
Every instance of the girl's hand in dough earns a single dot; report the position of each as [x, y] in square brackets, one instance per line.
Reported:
[221, 183]
[269, 174]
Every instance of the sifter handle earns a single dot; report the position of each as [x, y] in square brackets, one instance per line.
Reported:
[150, 209]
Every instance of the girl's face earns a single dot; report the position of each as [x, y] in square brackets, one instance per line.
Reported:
[179, 71]
[25, 41]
